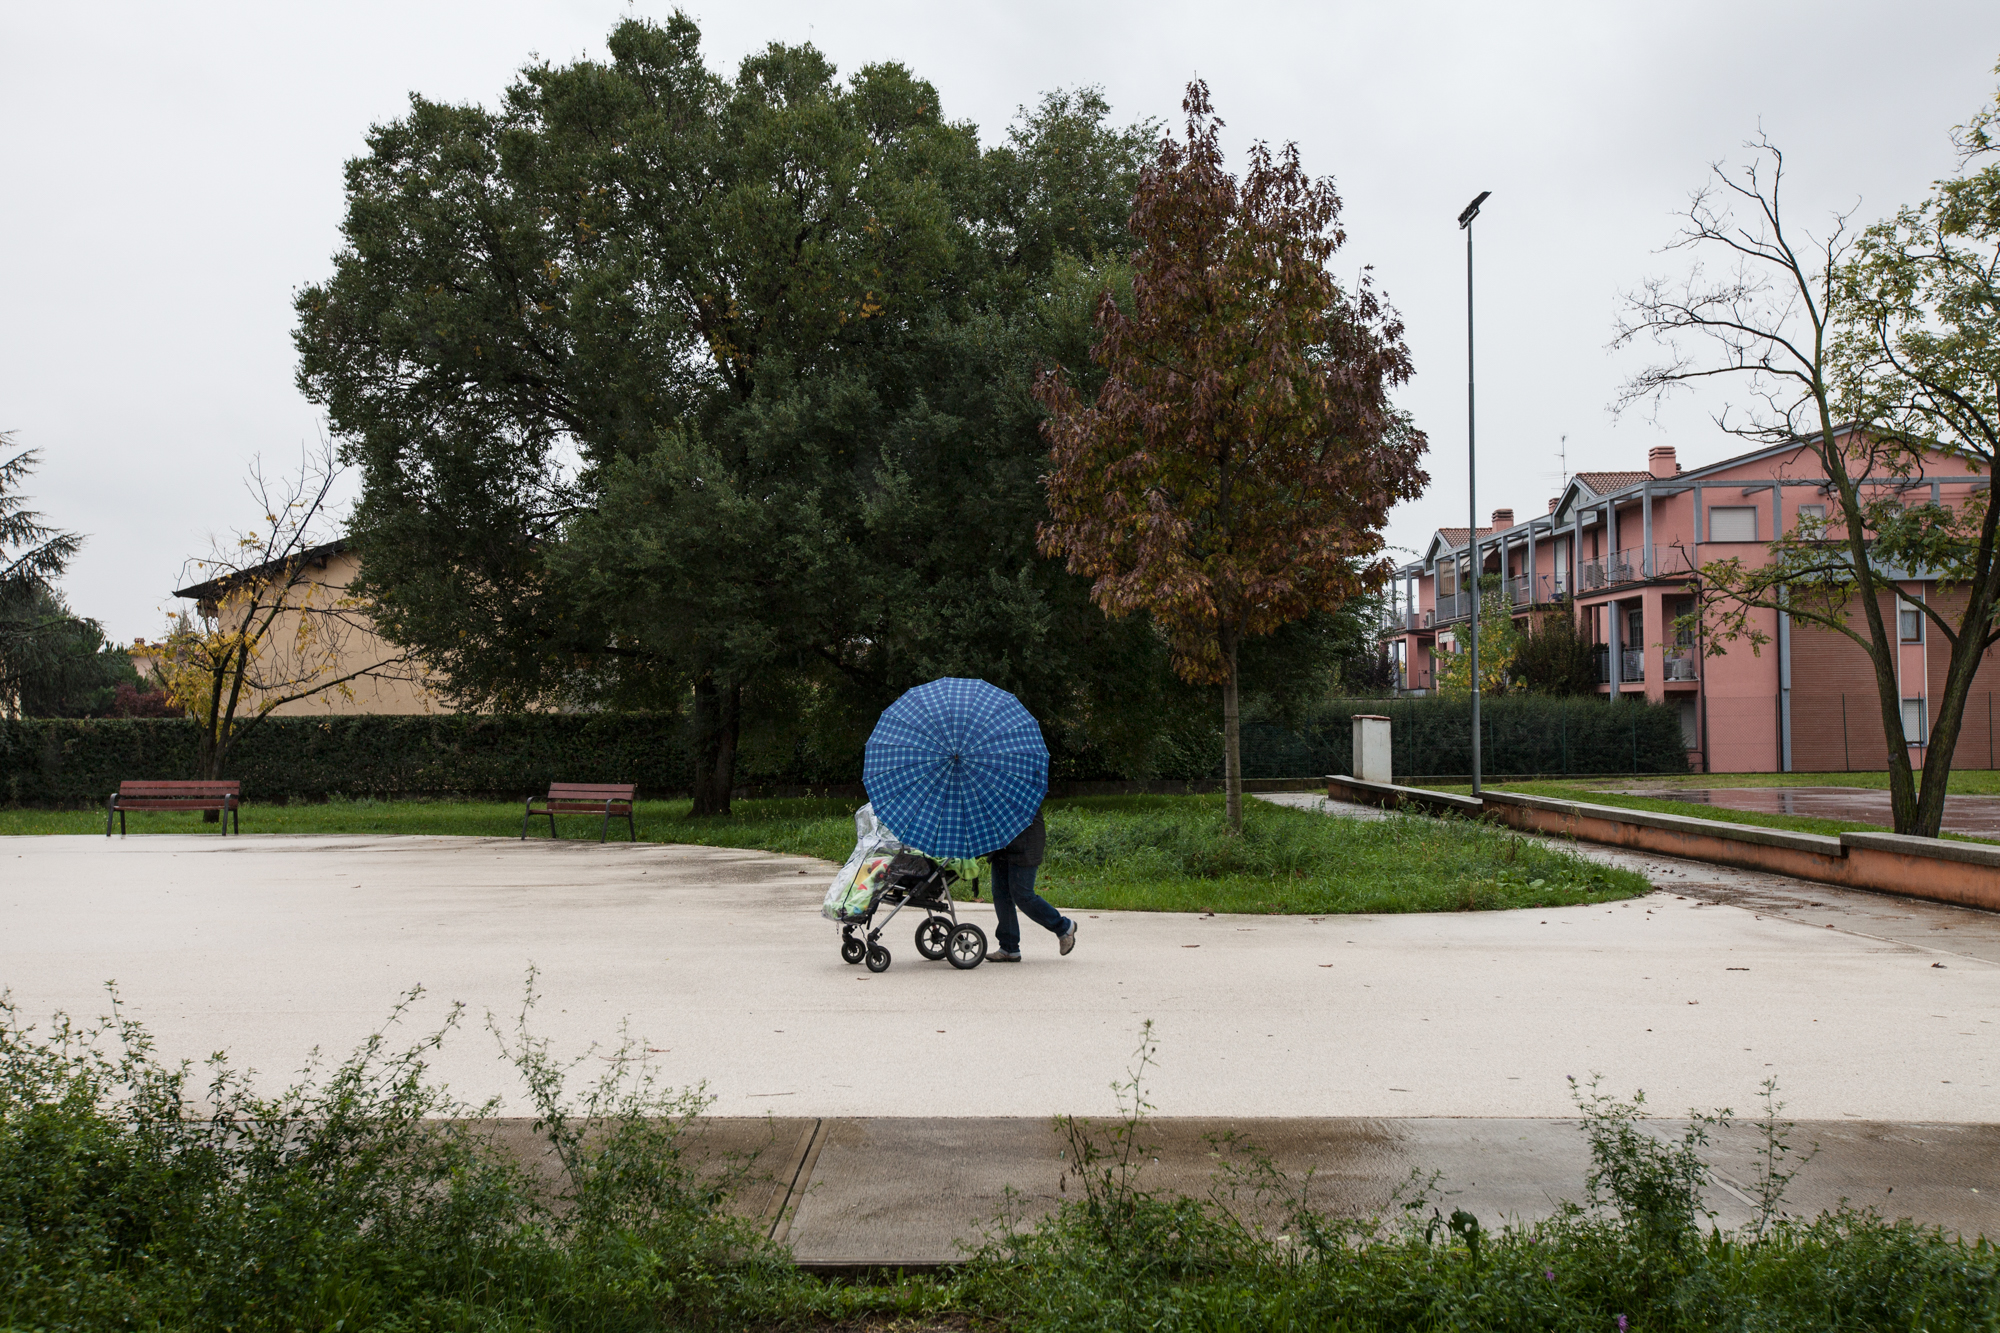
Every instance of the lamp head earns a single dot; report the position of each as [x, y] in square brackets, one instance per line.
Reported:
[1472, 209]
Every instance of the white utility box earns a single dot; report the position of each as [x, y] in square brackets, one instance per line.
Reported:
[1371, 748]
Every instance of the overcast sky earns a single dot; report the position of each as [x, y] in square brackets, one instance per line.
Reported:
[170, 174]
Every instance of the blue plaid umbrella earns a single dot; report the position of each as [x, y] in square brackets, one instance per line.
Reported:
[956, 767]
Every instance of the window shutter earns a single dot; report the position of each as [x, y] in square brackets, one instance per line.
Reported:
[1732, 524]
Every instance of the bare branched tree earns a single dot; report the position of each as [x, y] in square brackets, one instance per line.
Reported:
[268, 628]
[1863, 353]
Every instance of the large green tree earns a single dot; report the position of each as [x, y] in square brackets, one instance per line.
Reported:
[668, 386]
[38, 633]
[1234, 472]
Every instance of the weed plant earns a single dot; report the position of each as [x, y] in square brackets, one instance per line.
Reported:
[133, 1196]
[1636, 1255]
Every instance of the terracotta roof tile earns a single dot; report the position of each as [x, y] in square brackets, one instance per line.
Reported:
[1603, 483]
[1455, 537]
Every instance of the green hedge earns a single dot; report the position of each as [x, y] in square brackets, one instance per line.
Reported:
[1519, 734]
[69, 762]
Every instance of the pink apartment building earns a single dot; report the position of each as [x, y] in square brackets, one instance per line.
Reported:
[1619, 551]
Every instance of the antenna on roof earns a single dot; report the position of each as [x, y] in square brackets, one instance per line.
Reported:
[1562, 456]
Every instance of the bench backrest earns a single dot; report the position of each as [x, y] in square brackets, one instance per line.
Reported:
[597, 792]
[181, 790]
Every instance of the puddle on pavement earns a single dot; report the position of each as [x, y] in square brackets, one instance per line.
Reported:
[1976, 816]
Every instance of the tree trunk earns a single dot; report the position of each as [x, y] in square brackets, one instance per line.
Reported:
[1966, 656]
[213, 739]
[718, 724]
[1902, 780]
[1232, 738]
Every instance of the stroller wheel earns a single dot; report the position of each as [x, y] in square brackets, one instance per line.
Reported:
[932, 936]
[967, 946]
[878, 959]
[852, 948]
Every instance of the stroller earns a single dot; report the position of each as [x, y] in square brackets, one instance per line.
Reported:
[884, 872]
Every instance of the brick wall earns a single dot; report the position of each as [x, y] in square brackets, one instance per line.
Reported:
[1837, 713]
[1978, 746]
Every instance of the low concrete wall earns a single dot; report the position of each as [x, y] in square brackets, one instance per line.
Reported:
[1390, 796]
[1964, 873]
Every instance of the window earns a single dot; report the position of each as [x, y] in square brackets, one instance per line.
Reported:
[1909, 621]
[1690, 725]
[1635, 627]
[1732, 524]
[1812, 515]
[1914, 715]
[1683, 634]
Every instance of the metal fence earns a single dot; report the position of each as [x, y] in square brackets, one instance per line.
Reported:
[1518, 734]
[1845, 733]
[1632, 565]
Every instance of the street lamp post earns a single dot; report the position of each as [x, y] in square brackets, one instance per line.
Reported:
[1472, 478]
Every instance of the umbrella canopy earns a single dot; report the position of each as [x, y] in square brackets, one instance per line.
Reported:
[956, 767]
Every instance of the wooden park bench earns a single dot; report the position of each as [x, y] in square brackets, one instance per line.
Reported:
[223, 797]
[585, 798]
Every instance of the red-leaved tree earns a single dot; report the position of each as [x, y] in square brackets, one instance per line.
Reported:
[1236, 469]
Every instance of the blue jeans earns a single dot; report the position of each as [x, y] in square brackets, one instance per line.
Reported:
[1014, 889]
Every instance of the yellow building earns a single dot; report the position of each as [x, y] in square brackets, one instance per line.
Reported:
[315, 650]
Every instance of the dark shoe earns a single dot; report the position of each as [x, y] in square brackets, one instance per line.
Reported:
[1068, 939]
[998, 955]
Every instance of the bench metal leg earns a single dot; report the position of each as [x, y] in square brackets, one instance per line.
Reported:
[110, 807]
[527, 808]
[604, 834]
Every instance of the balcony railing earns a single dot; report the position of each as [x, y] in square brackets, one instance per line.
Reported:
[1396, 621]
[1631, 566]
[1453, 606]
[1679, 664]
[1546, 590]
[1631, 665]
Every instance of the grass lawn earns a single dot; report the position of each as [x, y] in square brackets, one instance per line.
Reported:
[1169, 853]
[1126, 853]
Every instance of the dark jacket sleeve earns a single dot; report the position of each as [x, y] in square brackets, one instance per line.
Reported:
[1028, 844]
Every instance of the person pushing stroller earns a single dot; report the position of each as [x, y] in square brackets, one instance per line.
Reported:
[1014, 868]
[955, 767]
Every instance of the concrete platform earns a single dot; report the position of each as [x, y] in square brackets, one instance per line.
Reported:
[889, 1191]
[871, 1120]
[268, 946]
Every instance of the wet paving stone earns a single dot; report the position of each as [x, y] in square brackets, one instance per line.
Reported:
[1975, 816]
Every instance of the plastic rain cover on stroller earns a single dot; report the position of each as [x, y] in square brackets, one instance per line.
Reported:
[851, 896]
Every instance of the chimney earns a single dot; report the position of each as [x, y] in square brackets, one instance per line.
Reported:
[1660, 461]
[1554, 500]
[1503, 518]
